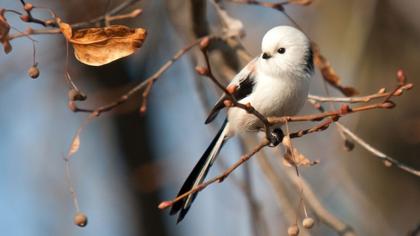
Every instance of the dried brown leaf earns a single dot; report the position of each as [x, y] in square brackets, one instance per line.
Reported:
[75, 145]
[292, 157]
[329, 74]
[4, 32]
[100, 46]
[65, 29]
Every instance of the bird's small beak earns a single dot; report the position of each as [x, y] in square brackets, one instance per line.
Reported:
[266, 56]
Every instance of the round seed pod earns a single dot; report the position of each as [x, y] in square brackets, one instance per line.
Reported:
[80, 219]
[33, 72]
[308, 222]
[293, 230]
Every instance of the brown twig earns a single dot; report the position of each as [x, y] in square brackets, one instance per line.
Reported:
[74, 147]
[335, 114]
[274, 5]
[29, 17]
[112, 15]
[362, 99]
[388, 161]
[146, 83]
[218, 178]
[346, 109]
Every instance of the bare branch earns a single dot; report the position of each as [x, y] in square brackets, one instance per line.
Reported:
[388, 161]
[362, 99]
[112, 15]
[218, 178]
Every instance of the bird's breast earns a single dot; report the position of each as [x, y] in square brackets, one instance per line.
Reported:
[271, 97]
[279, 96]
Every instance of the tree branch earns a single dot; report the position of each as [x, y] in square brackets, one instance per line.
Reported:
[218, 178]
[388, 161]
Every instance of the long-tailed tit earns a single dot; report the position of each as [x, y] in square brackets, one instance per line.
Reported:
[276, 83]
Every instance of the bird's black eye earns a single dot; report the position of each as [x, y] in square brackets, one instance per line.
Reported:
[281, 50]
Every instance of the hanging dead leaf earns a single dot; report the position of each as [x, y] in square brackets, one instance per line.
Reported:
[75, 145]
[329, 74]
[292, 157]
[4, 32]
[100, 46]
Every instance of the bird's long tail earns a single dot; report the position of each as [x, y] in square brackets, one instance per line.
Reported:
[198, 174]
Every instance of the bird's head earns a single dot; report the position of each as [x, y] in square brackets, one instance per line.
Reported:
[286, 50]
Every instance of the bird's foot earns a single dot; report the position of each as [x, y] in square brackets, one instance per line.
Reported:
[276, 137]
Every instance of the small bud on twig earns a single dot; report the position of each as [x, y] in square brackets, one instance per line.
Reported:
[28, 6]
[398, 92]
[50, 22]
[24, 18]
[388, 105]
[382, 90]
[387, 163]
[301, 2]
[201, 70]
[401, 77]
[136, 12]
[72, 106]
[409, 86]
[164, 204]
[204, 43]
[232, 88]
[344, 109]
[228, 103]
[80, 219]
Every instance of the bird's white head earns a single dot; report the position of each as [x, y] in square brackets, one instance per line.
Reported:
[286, 51]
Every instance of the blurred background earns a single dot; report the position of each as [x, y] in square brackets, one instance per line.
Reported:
[128, 163]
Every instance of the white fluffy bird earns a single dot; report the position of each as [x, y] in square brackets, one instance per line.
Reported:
[276, 83]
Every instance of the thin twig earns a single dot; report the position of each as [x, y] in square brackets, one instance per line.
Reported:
[115, 11]
[345, 109]
[110, 16]
[384, 157]
[218, 178]
[362, 99]
[147, 82]
[387, 159]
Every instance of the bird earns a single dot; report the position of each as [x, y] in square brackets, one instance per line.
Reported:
[275, 83]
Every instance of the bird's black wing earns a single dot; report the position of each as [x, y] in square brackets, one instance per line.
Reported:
[244, 81]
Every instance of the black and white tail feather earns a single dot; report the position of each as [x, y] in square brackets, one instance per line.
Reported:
[199, 173]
